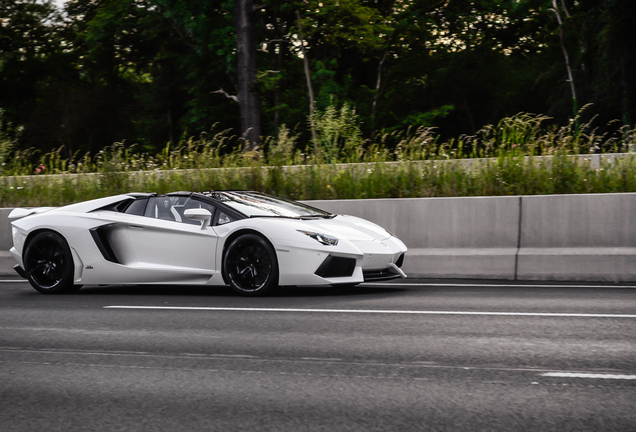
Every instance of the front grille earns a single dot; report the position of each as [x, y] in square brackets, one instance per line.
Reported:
[333, 267]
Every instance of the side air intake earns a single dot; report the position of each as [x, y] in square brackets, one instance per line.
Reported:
[334, 266]
[100, 236]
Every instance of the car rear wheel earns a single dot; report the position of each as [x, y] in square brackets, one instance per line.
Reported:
[49, 264]
[250, 265]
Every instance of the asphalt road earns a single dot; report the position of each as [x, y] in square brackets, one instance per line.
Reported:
[420, 355]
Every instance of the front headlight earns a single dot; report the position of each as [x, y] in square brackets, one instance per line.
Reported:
[325, 239]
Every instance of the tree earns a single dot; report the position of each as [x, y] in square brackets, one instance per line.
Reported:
[155, 72]
[557, 12]
[246, 55]
[30, 48]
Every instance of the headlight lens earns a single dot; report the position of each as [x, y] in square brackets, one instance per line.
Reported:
[325, 239]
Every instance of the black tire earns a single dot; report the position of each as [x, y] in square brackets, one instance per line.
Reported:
[250, 265]
[49, 264]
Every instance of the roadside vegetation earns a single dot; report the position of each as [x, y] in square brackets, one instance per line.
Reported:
[519, 155]
[315, 99]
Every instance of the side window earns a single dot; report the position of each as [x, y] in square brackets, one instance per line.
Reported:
[162, 207]
[173, 208]
[224, 218]
[138, 207]
[189, 203]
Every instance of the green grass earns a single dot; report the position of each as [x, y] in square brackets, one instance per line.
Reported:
[396, 165]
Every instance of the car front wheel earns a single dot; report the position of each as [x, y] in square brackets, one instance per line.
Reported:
[250, 265]
[49, 264]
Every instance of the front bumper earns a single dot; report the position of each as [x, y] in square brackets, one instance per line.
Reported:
[351, 262]
[388, 267]
[393, 271]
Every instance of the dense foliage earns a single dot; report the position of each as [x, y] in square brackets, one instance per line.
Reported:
[155, 72]
[500, 160]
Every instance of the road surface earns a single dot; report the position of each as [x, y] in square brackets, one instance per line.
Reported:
[407, 356]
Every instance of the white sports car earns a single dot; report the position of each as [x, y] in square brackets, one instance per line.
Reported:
[248, 240]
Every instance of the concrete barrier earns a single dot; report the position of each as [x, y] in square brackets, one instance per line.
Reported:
[474, 237]
[6, 260]
[578, 237]
[557, 237]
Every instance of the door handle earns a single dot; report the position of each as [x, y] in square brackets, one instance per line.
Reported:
[136, 227]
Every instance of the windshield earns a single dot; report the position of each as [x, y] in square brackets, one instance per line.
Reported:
[254, 204]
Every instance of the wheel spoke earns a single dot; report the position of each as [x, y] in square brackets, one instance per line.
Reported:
[54, 273]
[39, 266]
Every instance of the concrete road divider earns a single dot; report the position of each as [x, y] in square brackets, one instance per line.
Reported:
[578, 237]
[473, 237]
[6, 260]
[555, 237]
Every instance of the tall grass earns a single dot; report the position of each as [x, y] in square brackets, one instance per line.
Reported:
[414, 163]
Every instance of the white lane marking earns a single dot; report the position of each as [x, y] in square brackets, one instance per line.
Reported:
[202, 356]
[123, 353]
[480, 285]
[325, 359]
[11, 281]
[588, 375]
[372, 311]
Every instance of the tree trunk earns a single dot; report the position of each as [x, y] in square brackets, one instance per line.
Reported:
[575, 107]
[625, 99]
[171, 139]
[310, 89]
[246, 53]
[376, 96]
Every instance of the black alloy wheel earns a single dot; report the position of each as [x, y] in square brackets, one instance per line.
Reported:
[49, 264]
[250, 265]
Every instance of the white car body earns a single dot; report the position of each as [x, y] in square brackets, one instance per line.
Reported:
[109, 246]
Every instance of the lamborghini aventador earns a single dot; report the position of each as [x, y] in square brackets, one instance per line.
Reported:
[251, 241]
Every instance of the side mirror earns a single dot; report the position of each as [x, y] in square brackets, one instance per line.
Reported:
[199, 214]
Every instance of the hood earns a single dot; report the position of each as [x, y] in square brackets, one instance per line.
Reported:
[343, 227]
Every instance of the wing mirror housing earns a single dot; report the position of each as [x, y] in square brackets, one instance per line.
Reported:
[199, 214]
